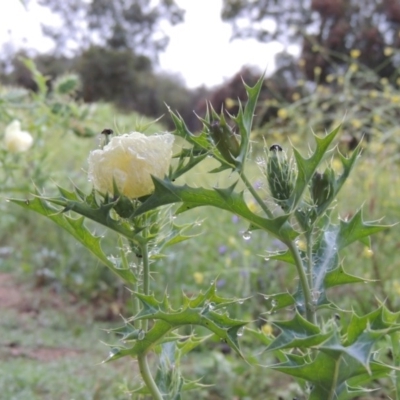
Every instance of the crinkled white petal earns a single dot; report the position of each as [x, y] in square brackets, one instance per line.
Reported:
[130, 160]
[15, 140]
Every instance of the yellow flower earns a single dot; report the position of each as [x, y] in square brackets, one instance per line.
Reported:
[388, 51]
[229, 103]
[353, 67]
[376, 118]
[395, 99]
[373, 94]
[296, 96]
[396, 286]
[357, 124]
[15, 140]
[198, 278]
[283, 113]
[232, 241]
[302, 62]
[355, 53]
[330, 78]
[384, 81]
[337, 165]
[302, 245]
[252, 205]
[317, 71]
[130, 160]
[301, 122]
[367, 252]
[267, 329]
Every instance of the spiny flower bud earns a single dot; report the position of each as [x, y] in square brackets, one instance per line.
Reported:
[281, 176]
[322, 187]
[66, 84]
[224, 139]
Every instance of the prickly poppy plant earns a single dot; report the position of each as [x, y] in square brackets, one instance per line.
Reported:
[333, 359]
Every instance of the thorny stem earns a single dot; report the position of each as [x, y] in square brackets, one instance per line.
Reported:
[309, 259]
[136, 301]
[332, 392]
[142, 358]
[310, 311]
[394, 337]
[256, 196]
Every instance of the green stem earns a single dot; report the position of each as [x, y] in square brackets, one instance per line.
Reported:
[148, 378]
[256, 196]
[309, 259]
[310, 310]
[395, 339]
[142, 358]
[332, 392]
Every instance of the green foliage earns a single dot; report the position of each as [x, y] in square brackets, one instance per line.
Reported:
[335, 359]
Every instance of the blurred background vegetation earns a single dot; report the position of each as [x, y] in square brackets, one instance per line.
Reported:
[347, 71]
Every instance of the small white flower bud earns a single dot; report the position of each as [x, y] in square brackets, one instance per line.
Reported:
[16, 140]
[130, 160]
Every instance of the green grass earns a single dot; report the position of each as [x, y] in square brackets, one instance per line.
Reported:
[51, 349]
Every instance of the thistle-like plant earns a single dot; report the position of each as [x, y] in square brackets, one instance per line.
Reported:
[335, 359]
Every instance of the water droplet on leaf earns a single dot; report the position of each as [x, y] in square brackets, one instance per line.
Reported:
[141, 335]
[246, 235]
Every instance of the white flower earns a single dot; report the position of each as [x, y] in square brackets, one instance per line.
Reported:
[130, 160]
[15, 140]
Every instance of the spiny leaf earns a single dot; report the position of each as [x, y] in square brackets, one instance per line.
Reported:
[297, 332]
[167, 193]
[89, 208]
[356, 229]
[244, 120]
[188, 344]
[277, 301]
[359, 350]
[188, 159]
[319, 373]
[168, 379]
[79, 231]
[380, 319]
[201, 310]
[340, 277]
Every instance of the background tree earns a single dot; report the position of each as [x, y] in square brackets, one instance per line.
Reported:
[326, 30]
[118, 24]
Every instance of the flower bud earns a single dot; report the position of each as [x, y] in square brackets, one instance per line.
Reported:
[127, 163]
[224, 139]
[280, 175]
[66, 84]
[322, 187]
[15, 140]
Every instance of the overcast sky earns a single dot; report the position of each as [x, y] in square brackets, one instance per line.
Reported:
[199, 50]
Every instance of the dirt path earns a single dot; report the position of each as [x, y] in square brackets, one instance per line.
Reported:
[26, 303]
